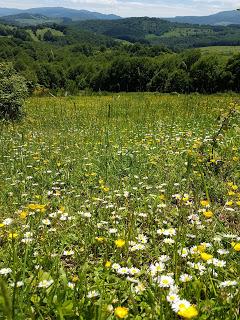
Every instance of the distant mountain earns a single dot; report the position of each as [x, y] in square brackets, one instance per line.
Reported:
[73, 14]
[9, 11]
[219, 19]
[59, 12]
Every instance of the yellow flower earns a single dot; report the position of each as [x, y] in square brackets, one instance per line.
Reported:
[120, 243]
[23, 214]
[162, 197]
[106, 189]
[35, 206]
[75, 278]
[206, 256]
[229, 203]
[236, 246]
[100, 239]
[2, 225]
[108, 264]
[205, 203]
[208, 214]
[121, 312]
[201, 247]
[12, 235]
[188, 313]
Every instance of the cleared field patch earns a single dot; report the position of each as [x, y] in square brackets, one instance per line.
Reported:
[221, 50]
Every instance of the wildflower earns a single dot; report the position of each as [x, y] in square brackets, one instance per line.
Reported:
[180, 304]
[134, 271]
[75, 278]
[68, 253]
[185, 277]
[18, 284]
[218, 263]
[188, 313]
[208, 214]
[183, 252]
[23, 214]
[100, 239]
[71, 285]
[120, 243]
[116, 266]
[139, 288]
[168, 241]
[164, 258]
[142, 238]
[165, 281]
[222, 251]
[169, 232]
[173, 298]
[108, 264]
[121, 312]
[205, 256]
[205, 203]
[227, 283]
[45, 283]
[236, 246]
[93, 294]
[123, 270]
[7, 222]
[137, 247]
[5, 271]
[46, 222]
[157, 267]
[12, 235]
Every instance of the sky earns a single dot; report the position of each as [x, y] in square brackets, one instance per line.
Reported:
[130, 8]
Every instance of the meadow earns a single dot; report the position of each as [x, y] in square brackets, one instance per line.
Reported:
[121, 206]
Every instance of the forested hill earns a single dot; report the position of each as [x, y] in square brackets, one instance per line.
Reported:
[221, 18]
[159, 31]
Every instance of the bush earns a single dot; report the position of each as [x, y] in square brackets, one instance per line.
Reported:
[13, 91]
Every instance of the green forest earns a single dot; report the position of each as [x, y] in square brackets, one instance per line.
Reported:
[135, 54]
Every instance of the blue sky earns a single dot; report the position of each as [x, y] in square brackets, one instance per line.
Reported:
[157, 8]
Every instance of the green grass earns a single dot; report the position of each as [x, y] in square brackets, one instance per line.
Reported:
[79, 173]
[221, 50]
[40, 32]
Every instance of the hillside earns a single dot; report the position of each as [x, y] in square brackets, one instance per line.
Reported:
[222, 18]
[158, 31]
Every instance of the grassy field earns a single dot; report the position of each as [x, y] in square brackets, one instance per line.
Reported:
[221, 50]
[123, 206]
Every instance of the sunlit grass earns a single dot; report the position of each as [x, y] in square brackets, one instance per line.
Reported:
[121, 206]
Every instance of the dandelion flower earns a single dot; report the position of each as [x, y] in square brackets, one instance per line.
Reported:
[205, 256]
[188, 313]
[208, 214]
[120, 243]
[121, 312]
[236, 246]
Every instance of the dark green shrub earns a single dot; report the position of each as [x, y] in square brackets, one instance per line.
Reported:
[13, 91]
